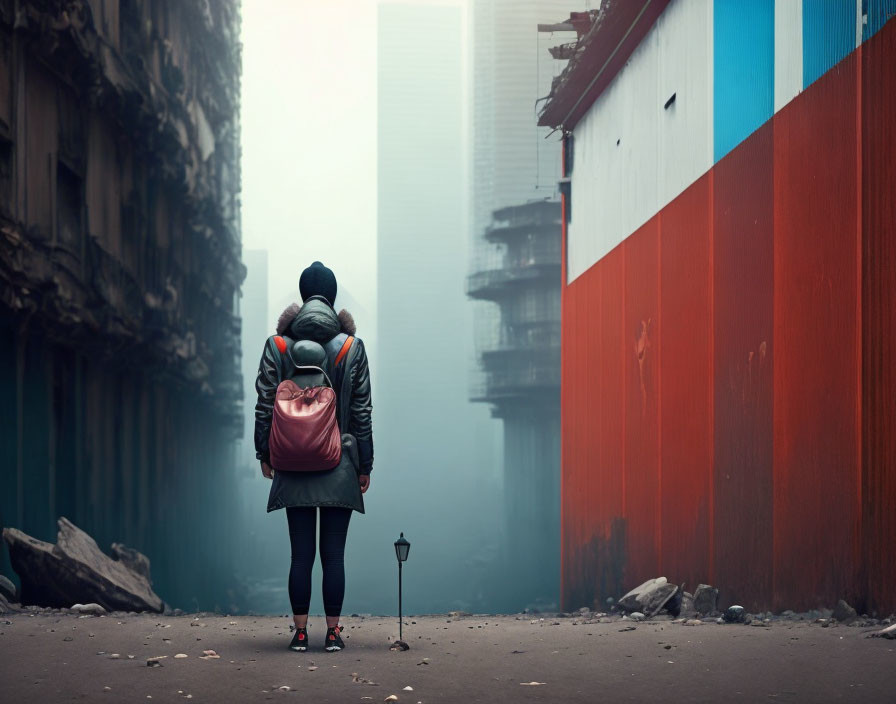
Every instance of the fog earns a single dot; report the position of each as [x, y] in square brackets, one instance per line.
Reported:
[379, 191]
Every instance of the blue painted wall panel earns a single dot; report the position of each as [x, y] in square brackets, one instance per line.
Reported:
[829, 34]
[876, 13]
[744, 70]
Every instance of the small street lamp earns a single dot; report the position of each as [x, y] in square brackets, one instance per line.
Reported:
[402, 547]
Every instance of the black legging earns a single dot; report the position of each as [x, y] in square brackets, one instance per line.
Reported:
[333, 530]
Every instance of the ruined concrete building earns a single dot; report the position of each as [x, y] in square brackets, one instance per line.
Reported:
[120, 390]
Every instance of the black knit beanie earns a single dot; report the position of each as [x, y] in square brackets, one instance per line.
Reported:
[318, 280]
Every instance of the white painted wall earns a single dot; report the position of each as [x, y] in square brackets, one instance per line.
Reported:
[617, 188]
[788, 51]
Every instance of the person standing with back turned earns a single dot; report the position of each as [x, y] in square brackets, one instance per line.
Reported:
[316, 347]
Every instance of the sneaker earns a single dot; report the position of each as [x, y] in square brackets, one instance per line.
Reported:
[334, 641]
[299, 641]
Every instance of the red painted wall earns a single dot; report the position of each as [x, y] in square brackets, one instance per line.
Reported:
[729, 371]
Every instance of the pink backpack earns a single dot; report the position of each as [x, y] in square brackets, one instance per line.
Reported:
[304, 432]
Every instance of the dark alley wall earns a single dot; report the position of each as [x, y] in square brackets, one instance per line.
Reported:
[120, 391]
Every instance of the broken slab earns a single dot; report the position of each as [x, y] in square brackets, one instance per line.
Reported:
[706, 599]
[649, 598]
[76, 570]
[844, 613]
[889, 632]
[7, 588]
[132, 559]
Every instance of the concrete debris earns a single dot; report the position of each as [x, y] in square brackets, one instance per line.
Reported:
[734, 614]
[844, 613]
[706, 599]
[75, 570]
[399, 645]
[7, 589]
[889, 632]
[133, 559]
[650, 598]
[90, 609]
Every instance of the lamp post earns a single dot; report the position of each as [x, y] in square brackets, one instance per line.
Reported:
[402, 547]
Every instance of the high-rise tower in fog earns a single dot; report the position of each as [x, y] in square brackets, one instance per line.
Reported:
[515, 278]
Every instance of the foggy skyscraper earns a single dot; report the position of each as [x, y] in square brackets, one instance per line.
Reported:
[515, 278]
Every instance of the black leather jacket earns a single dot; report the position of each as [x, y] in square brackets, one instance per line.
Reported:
[317, 321]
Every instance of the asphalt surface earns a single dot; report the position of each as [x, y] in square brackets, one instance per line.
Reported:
[60, 657]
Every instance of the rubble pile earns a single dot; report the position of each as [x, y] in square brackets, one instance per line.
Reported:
[655, 596]
[652, 597]
[76, 571]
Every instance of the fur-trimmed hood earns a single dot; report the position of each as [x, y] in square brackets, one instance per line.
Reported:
[314, 319]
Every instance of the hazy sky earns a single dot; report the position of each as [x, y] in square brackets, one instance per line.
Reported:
[309, 141]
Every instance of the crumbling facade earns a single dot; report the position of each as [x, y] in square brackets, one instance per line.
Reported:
[120, 271]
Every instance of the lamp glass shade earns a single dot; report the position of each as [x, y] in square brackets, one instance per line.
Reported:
[402, 547]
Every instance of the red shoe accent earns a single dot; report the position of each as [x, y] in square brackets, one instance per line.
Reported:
[301, 636]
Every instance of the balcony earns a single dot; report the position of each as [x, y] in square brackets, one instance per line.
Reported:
[513, 384]
[493, 284]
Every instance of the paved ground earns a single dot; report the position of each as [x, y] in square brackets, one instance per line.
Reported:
[55, 657]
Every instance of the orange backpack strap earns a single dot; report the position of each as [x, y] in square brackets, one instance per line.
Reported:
[344, 351]
[281, 343]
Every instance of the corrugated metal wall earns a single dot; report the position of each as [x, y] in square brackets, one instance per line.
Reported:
[728, 383]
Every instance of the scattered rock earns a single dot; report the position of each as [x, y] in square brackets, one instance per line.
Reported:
[363, 680]
[584, 610]
[627, 628]
[649, 598]
[636, 616]
[76, 570]
[844, 613]
[408, 689]
[209, 655]
[7, 588]
[399, 645]
[391, 698]
[734, 614]
[181, 655]
[706, 599]
[532, 684]
[156, 661]
[94, 609]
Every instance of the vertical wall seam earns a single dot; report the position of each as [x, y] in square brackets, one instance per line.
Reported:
[712, 377]
[659, 393]
[857, 535]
